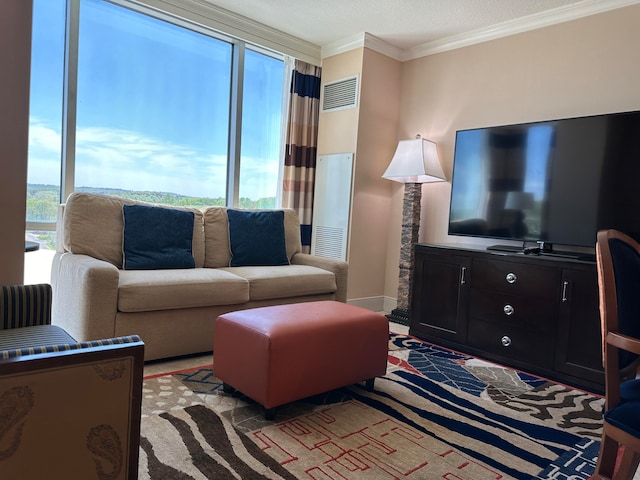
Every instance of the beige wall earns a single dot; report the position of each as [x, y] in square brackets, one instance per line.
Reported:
[583, 67]
[15, 55]
[377, 140]
[369, 131]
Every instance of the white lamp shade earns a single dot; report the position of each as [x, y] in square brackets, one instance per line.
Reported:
[415, 161]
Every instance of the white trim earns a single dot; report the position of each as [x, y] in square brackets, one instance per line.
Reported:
[375, 304]
[539, 20]
[512, 27]
[238, 26]
[360, 40]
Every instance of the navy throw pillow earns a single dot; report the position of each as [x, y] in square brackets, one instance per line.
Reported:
[157, 238]
[257, 238]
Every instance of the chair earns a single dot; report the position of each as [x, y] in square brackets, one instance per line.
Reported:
[618, 262]
[67, 409]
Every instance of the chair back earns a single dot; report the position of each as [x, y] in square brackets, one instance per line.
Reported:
[25, 306]
[618, 262]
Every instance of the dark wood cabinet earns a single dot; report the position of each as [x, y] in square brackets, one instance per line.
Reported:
[577, 336]
[440, 307]
[535, 313]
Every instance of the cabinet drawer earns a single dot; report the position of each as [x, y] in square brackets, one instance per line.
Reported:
[536, 282]
[504, 309]
[510, 342]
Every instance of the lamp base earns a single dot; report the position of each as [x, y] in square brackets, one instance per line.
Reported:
[399, 315]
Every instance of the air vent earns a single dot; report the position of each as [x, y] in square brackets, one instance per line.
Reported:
[340, 94]
[329, 242]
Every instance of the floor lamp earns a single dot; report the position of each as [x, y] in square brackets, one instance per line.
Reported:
[414, 163]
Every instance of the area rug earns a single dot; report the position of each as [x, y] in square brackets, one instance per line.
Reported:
[436, 414]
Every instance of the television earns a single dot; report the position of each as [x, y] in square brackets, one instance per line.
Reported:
[554, 182]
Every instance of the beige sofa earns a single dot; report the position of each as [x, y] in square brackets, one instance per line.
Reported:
[172, 310]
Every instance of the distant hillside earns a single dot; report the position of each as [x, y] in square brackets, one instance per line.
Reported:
[43, 200]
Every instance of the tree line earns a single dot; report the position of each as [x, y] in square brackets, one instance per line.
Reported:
[43, 200]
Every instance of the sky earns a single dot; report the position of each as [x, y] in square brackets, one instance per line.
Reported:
[152, 105]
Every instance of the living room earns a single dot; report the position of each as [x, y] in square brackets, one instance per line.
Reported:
[575, 67]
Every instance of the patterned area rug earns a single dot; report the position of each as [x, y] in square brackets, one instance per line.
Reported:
[435, 414]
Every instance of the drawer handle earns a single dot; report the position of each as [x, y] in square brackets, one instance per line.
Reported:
[463, 272]
[511, 277]
[506, 341]
[508, 309]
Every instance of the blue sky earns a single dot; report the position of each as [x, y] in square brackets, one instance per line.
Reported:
[153, 103]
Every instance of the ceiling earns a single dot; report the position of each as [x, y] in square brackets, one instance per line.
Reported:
[406, 24]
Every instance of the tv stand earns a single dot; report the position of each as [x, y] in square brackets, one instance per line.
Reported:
[536, 313]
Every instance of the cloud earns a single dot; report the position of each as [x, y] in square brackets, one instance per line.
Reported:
[115, 158]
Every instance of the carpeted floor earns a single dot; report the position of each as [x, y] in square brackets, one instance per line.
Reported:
[436, 414]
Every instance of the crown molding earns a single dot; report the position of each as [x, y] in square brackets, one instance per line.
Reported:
[203, 13]
[360, 40]
[210, 16]
[512, 27]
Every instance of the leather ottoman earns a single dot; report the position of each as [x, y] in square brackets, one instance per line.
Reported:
[276, 355]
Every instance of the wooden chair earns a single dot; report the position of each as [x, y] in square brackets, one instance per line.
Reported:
[618, 261]
[68, 409]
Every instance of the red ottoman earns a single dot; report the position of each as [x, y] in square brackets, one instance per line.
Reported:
[276, 355]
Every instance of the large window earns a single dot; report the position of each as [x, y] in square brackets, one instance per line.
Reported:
[147, 107]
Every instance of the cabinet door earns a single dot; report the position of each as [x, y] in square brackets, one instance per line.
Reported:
[438, 302]
[579, 344]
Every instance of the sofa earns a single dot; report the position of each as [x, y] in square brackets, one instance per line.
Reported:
[103, 287]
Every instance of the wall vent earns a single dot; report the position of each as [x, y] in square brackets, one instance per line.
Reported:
[329, 242]
[340, 94]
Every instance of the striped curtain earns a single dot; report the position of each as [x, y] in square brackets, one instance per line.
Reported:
[301, 146]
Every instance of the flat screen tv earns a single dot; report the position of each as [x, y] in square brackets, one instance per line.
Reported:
[554, 182]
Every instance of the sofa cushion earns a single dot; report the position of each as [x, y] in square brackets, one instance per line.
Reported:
[285, 281]
[256, 238]
[147, 290]
[93, 225]
[156, 238]
[216, 228]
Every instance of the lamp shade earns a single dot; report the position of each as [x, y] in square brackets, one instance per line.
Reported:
[415, 161]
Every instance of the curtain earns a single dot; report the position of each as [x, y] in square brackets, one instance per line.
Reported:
[301, 146]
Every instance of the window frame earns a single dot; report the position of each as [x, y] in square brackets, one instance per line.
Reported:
[69, 99]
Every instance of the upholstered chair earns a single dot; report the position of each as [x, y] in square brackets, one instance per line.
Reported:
[618, 261]
[67, 409]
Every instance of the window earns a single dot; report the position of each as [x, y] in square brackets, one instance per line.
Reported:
[158, 105]
[261, 111]
[45, 128]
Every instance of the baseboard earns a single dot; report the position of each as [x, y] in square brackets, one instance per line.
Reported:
[377, 304]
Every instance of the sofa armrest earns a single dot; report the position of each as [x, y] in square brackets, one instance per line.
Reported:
[339, 268]
[85, 296]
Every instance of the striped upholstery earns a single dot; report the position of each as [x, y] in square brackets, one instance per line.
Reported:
[49, 348]
[25, 306]
[39, 335]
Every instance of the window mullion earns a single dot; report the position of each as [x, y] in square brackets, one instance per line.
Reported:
[235, 125]
[70, 99]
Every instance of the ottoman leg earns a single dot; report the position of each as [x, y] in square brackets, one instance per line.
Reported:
[226, 388]
[369, 384]
[269, 413]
